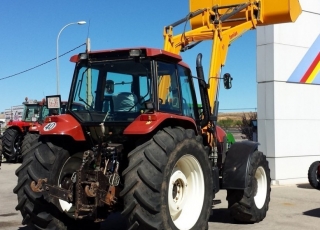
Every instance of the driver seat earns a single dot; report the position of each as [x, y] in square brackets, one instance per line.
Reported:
[125, 102]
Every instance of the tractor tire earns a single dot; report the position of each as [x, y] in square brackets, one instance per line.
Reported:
[314, 175]
[11, 145]
[39, 210]
[251, 204]
[28, 140]
[168, 183]
[0, 151]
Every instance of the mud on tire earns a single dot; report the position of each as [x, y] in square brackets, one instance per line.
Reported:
[251, 204]
[159, 170]
[314, 175]
[40, 211]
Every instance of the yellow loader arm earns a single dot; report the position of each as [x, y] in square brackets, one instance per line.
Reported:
[222, 21]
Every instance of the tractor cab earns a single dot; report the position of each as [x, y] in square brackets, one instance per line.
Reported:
[118, 86]
[32, 110]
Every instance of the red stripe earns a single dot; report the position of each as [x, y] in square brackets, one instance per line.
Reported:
[311, 68]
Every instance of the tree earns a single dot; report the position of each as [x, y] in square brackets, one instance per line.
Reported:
[245, 126]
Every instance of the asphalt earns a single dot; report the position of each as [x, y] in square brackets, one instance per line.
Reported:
[291, 207]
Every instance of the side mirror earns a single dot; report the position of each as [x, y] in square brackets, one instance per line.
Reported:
[227, 81]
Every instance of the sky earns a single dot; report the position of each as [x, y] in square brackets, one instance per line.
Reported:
[29, 31]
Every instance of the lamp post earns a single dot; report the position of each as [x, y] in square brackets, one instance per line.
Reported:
[58, 75]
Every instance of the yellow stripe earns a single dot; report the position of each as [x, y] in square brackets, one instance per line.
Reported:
[313, 73]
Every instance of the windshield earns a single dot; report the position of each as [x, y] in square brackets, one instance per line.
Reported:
[31, 112]
[45, 112]
[111, 90]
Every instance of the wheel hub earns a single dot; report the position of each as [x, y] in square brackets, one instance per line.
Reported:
[66, 183]
[177, 187]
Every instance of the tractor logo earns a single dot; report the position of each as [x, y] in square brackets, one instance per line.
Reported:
[308, 70]
[49, 126]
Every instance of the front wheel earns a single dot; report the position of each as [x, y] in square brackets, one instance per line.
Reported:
[251, 204]
[11, 145]
[314, 175]
[168, 183]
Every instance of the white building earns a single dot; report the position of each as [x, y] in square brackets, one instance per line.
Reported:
[288, 76]
[14, 113]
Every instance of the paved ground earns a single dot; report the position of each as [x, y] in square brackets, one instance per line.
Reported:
[291, 207]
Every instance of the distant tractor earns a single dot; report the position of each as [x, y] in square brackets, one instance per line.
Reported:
[20, 133]
[33, 133]
[17, 128]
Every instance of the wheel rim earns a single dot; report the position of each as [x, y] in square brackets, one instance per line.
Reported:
[261, 179]
[186, 192]
[64, 181]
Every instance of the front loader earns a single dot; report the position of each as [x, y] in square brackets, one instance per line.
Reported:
[138, 145]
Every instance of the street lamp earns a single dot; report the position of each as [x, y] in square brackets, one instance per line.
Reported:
[58, 75]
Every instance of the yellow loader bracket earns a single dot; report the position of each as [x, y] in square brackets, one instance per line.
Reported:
[267, 12]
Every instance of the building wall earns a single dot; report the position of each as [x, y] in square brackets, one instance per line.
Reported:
[288, 111]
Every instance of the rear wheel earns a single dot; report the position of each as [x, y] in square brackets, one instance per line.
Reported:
[251, 204]
[168, 183]
[11, 148]
[314, 175]
[41, 211]
[28, 140]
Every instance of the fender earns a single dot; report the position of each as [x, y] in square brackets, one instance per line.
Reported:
[234, 173]
[63, 124]
[19, 125]
[146, 123]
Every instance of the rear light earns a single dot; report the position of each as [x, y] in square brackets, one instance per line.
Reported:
[51, 119]
[148, 117]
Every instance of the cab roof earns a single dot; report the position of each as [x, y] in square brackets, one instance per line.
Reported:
[148, 52]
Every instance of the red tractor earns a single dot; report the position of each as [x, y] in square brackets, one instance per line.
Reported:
[138, 144]
[17, 129]
[33, 133]
[20, 134]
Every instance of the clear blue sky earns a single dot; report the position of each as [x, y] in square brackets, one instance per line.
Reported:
[29, 31]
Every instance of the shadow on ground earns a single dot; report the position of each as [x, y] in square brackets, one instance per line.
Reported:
[313, 212]
[221, 215]
[305, 186]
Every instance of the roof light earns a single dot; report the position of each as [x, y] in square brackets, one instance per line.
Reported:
[135, 53]
[83, 56]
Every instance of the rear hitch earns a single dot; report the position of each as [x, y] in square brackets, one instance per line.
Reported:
[93, 189]
[52, 190]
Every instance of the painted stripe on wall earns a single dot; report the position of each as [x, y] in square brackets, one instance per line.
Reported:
[308, 69]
